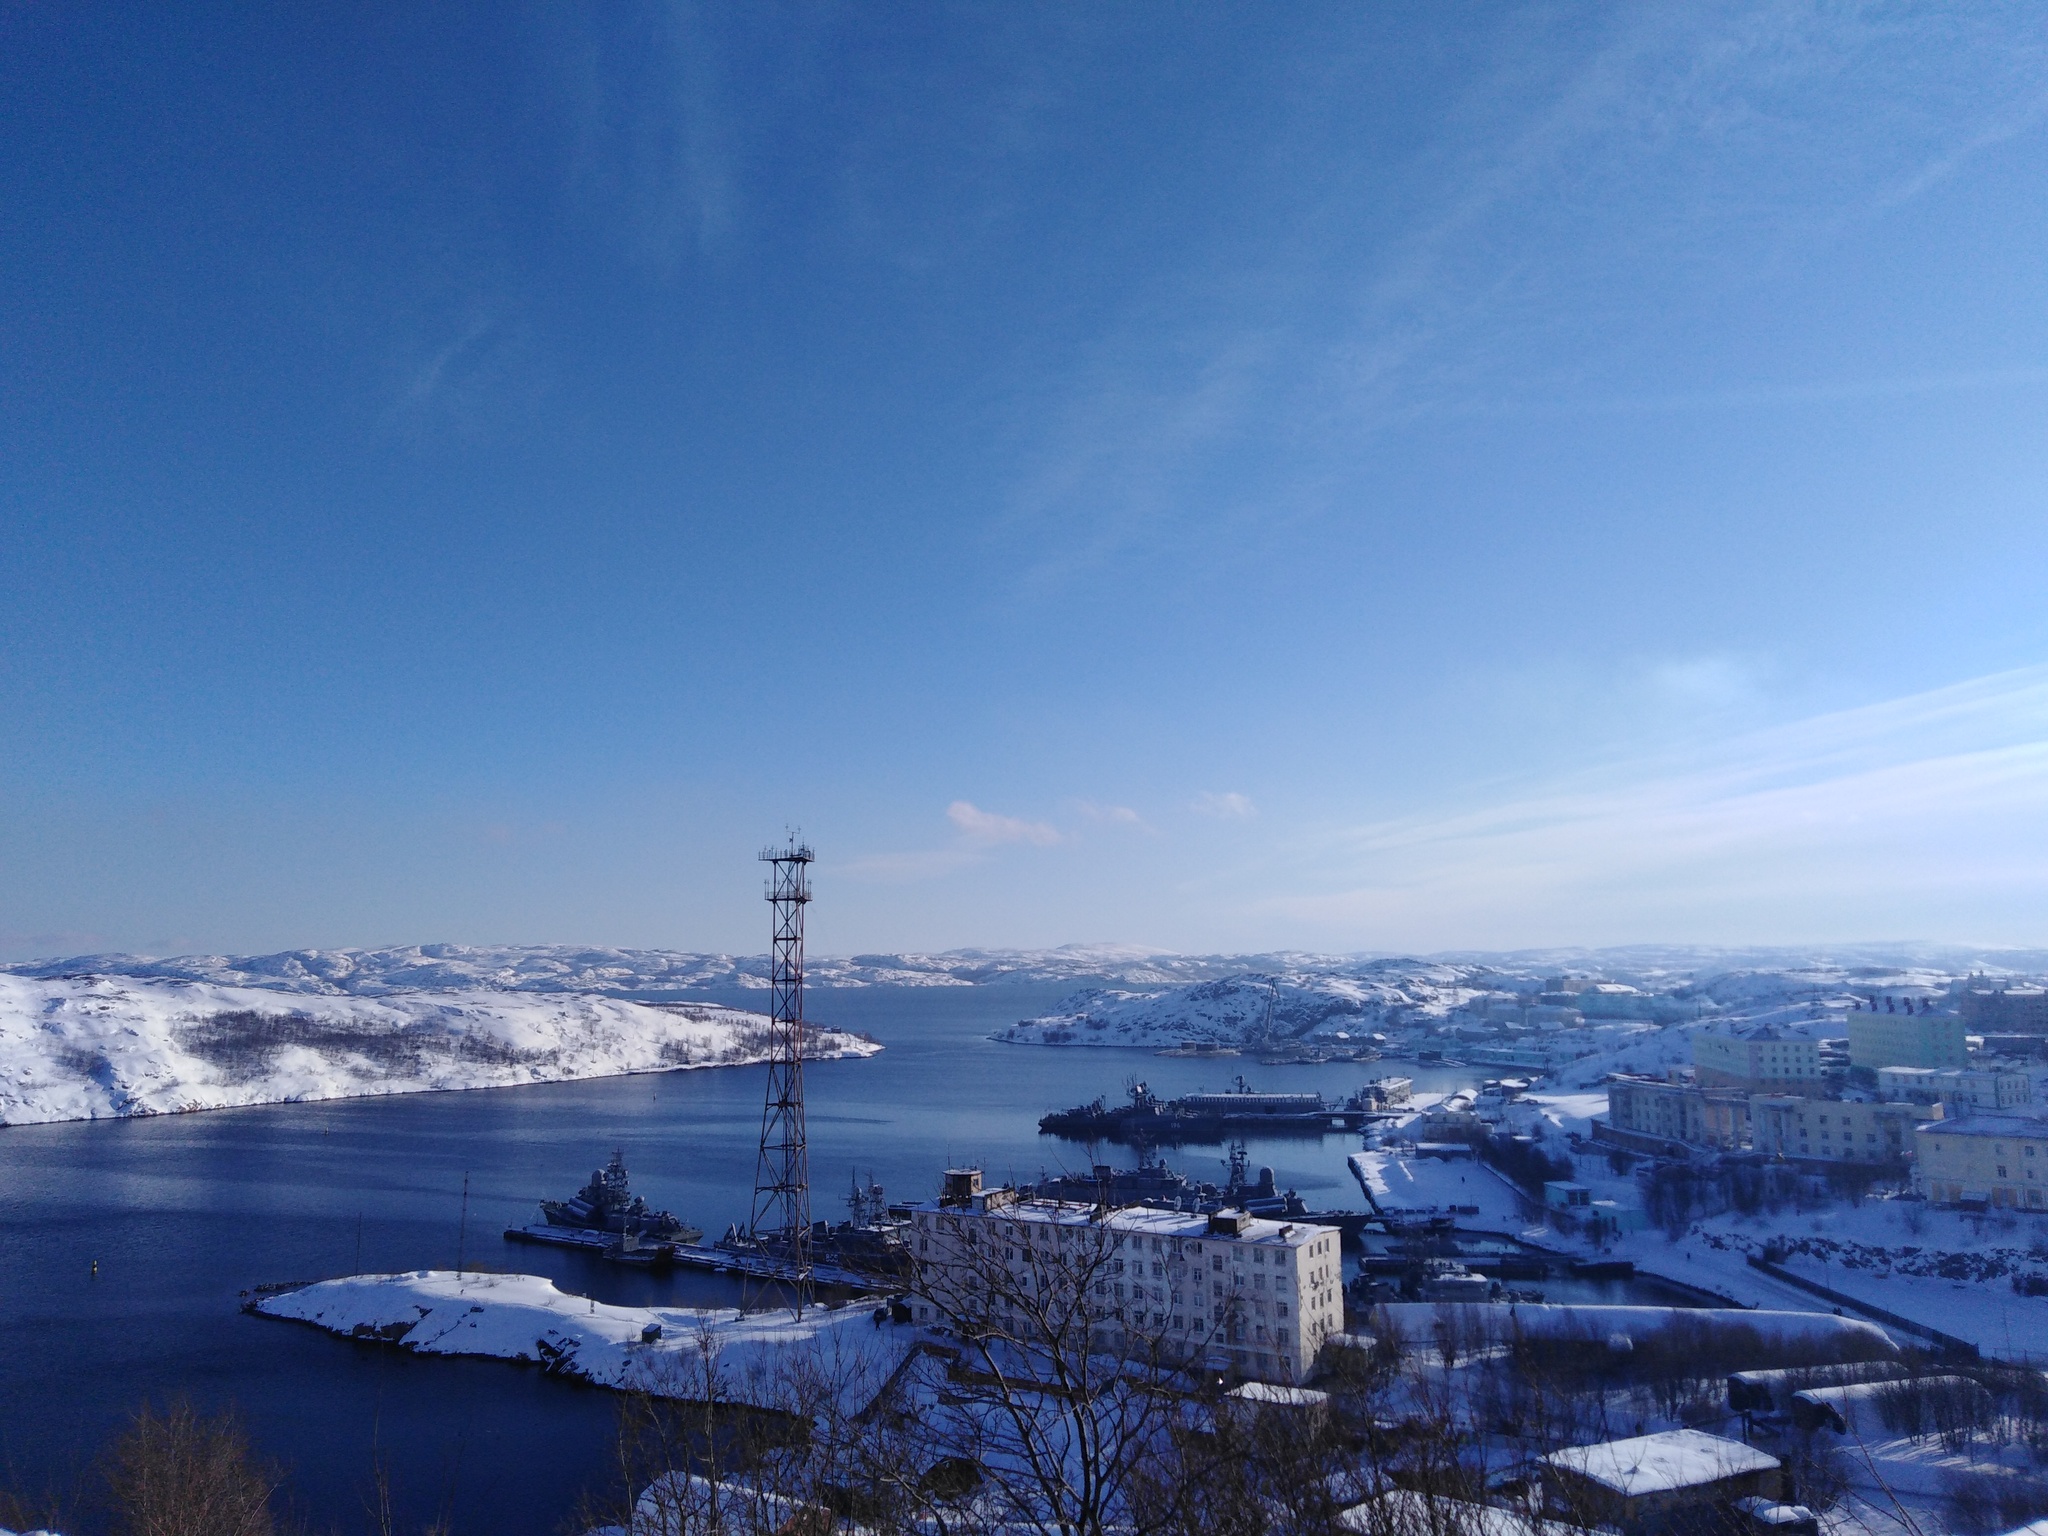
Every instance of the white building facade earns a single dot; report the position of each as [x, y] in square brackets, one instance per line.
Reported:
[1257, 1296]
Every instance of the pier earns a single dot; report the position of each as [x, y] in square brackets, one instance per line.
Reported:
[706, 1257]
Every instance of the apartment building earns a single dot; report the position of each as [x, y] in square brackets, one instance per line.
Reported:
[1961, 1090]
[1760, 1059]
[1998, 1159]
[1787, 1125]
[1681, 1112]
[1257, 1295]
[1907, 1040]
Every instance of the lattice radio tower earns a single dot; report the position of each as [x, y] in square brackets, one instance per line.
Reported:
[782, 1178]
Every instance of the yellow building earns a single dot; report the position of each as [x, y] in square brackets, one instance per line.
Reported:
[1648, 1106]
[1760, 1059]
[1906, 1040]
[1999, 1159]
[1785, 1125]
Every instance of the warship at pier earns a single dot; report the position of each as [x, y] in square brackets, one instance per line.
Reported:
[1147, 1119]
[607, 1218]
[1156, 1186]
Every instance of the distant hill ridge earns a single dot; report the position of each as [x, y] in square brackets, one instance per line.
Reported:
[651, 972]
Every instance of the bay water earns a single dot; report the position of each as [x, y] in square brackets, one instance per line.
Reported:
[182, 1214]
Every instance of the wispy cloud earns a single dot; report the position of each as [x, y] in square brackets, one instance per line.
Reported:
[976, 834]
[987, 829]
[1113, 815]
[1719, 140]
[1227, 806]
[1808, 828]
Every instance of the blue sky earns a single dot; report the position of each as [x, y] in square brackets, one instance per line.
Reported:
[1342, 477]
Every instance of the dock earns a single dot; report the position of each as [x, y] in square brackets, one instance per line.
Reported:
[700, 1256]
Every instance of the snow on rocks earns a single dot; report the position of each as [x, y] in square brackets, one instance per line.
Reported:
[91, 1047]
[671, 1351]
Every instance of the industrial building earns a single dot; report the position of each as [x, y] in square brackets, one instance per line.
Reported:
[2018, 1009]
[1987, 1159]
[1255, 1296]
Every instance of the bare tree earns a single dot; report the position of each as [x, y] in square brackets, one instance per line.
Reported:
[1064, 1374]
[176, 1473]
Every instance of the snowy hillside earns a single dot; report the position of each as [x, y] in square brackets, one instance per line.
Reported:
[1621, 1018]
[89, 1047]
[582, 968]
[679, 973]
[1248, 1007]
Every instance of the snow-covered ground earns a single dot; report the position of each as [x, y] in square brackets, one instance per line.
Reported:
[1401, 1182]
[698, 1352]
[89, 1047]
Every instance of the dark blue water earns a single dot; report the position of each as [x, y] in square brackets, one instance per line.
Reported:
[185, 1212]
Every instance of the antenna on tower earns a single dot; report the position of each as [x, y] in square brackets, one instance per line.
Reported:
[781, 1222]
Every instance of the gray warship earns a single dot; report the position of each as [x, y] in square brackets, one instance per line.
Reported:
[607, 1204]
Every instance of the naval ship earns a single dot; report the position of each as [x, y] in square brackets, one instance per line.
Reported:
[606, 1217]
[1154, 1121]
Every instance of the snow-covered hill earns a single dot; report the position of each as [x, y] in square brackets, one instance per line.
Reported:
[680, 973]
[1250, 1006]
[640, 972]
[87, 1047]
[1562, 1010]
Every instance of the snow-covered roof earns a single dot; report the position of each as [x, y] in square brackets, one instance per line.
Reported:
[2013, 1127]
[1662, 1463]
[1277, 1396]
[1139, 1219]
[1770, 1512]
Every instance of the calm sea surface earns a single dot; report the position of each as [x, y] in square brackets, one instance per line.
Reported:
[184, 1212]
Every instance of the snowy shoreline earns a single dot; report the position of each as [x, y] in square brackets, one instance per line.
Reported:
[683, 1352]
[104, 1047]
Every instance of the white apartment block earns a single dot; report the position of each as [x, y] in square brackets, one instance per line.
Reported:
[1934, 1040]
[1785, 1125]
[1998, 1159]
[1979, 1089]
[1762, 1059]
[1258, 1296]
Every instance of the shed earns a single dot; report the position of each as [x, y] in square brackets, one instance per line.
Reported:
[1856, 1406]
[1764, 1518]
[1654, 1483]
[1771, 1391]
[1264, 1399]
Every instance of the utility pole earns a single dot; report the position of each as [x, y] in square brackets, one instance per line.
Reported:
[781, 1222]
